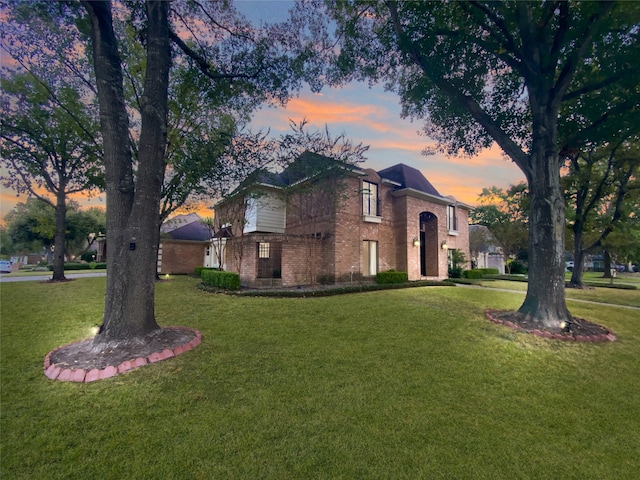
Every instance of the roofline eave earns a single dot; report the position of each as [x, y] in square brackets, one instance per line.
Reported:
[412, 192]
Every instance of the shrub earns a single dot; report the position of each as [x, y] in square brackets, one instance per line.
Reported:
[474, 273]
[517, 268]
[74, 266]
[220, 279]
[199, 270]
[391, 276]
[489, 271]
[455, 272]
[89, 256]
[456, 263]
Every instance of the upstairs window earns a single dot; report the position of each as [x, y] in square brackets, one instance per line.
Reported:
[452, 219]
[370, 199]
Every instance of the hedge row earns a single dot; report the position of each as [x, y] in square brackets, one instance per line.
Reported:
[199, 270]
[477, 273]
[474, 273]
[391, 277]
[82, 266]
[220, 279]
[512, 278]
[488, 271]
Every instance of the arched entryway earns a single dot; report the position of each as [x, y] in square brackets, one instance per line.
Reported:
[428, 245]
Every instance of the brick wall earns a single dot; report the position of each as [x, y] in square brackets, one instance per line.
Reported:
[328, 243]
[180, 257]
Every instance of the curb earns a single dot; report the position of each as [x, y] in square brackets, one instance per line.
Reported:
[80, 375]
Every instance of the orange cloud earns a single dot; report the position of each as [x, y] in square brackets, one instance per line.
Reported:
[466, 185]
[320, 112]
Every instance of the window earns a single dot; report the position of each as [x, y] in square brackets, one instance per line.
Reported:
[369, 258]
[369, 199]
[269, 260]
[452, 219]
[263, 250]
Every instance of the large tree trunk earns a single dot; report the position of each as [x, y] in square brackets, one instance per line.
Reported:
[132, 208]
[61, 227]
[545, 304]
[545, 301]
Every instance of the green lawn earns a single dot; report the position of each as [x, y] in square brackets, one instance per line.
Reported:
[614, 296]
[44, 273]
[394, 384]
[596, 278]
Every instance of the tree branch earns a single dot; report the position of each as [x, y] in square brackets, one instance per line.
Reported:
[468, 103]
[583, 38]
[204, 66]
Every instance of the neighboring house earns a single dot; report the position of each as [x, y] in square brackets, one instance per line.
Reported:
[28, 259]
[185, 243]
[485, 251]
[297, 229]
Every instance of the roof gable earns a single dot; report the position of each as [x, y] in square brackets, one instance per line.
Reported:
[185, 227]
[409, 177]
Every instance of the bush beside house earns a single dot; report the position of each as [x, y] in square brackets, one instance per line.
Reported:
[220, 279]
[391, 276]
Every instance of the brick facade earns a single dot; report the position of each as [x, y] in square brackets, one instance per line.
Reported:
[329, 246]
[180, 256]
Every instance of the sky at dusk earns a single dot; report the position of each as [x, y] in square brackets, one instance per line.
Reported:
[369, 116]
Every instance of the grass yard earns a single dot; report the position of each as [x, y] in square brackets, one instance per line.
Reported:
[393, 384]
[48, 273]
[612, 296]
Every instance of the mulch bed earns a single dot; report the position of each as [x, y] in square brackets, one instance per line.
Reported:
[83, 361]
[581, 330]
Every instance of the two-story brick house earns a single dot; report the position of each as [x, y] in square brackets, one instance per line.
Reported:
[340, 225]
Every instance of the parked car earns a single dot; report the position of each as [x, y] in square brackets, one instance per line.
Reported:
[5, 266]
[569, 266]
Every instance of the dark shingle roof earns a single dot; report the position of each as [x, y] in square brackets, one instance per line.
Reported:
[191, 231]
[307, 165]
[409, 177]
[185, 227]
